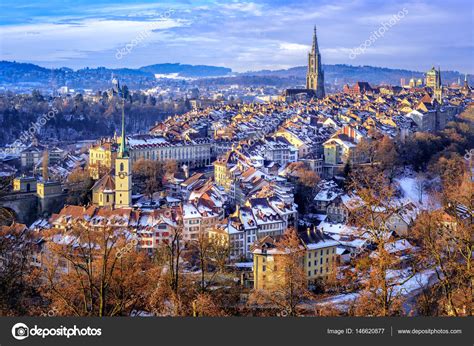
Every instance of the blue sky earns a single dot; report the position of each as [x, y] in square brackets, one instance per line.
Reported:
[242, 35]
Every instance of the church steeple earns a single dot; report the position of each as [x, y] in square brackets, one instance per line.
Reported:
[123, 146]
[315, 74]
[315, 42]
[123, 169]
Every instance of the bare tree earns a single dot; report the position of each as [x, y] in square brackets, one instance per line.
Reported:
[94, 271]
[212, 254]
[374, 206]
[290, 286]
[17, 288]
[446, 239]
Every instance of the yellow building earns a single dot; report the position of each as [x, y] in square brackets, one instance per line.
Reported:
[24, 184]
[226, 167]
[103, 191]
[101, 159]
[294, 140]
[319, 259]
[48, 188]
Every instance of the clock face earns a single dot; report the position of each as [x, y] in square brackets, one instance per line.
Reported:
[122, 175]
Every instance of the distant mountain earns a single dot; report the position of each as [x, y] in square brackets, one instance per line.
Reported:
[341, 74]
[22, 77]
[191, 71]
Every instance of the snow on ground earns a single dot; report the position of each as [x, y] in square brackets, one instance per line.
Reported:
[411, 286]
[410, 190]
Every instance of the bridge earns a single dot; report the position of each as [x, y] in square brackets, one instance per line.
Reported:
[27, 206]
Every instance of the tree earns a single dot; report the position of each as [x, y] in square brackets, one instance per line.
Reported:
[306, 184]
[446, 241]
[212, 254]
[170, 255]
[7, 216]
[79, 184]
[366, 150]
[449, 167]
[387, 156]
[148, 176]
[290, 286]
[170, 167]
[94, 271]
[375, 205]
[45, 164]
[17, 288]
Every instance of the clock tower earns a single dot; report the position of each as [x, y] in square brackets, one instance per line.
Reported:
[123, 171]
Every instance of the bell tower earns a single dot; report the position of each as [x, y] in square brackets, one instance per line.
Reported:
[123, 169]
[315, 74]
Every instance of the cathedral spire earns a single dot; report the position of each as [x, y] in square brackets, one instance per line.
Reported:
[315, 41]
[315, 74]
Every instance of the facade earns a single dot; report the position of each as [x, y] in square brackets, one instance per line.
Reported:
[258, 218]
[48, 188]
[32, 155]
[319, 259]
[433, 81]
[192, 153]
[24, 184]
[103, 191]
[102, 158]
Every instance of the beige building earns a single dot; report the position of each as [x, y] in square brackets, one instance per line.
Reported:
[102, 159]
[24, 184]
[319, 259]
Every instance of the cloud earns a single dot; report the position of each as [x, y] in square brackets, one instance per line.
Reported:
[294, 47]
[243, 35]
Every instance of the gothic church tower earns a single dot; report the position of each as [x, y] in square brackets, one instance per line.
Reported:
[315, 74]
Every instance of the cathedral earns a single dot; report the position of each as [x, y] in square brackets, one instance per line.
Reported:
[314, 76]
[433, 81]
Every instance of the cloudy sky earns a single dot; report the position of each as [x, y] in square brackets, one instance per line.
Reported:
[242, 35]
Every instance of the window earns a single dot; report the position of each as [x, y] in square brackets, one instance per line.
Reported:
[121, 167]
[309, 254]
[264, 268]
[315, 262]
[321, 260]
[327, 252]
[309, 273]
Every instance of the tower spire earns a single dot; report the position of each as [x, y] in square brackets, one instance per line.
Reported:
[123, 147]
[315, 41]
[315, 74]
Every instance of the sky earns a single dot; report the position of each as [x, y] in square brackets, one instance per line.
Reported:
[242, 35]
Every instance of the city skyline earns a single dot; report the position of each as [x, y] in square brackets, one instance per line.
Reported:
[241, 35]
